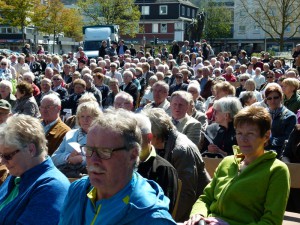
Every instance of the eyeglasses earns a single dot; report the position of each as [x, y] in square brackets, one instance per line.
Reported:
[3, 64]
[275, 98]
[55, 79]
[9, 156]
[269, 77]
[102, 153]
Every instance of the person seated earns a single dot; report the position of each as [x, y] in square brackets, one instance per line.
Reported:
[26, 103]
[45, 90]
[154, 167]
[35, 189]
[124, 100]
[250, 85]
[68, 157]
[183, 154]
[58, 82]
[6, 90]
[248, 98]
[54, 128]
[129, 87]
[220, 136]
[160, 93]
[283, 120]
[114, 193]
[185, 124]
[290, 87]
[234, 196]
[5, 111]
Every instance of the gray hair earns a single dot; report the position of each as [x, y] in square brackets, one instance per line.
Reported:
[128, 72]
[161, 123]
[86, 70]
[53, 98]
[143, 122]
[125, 95]
[186, 96]
[7, 84]
[29, 74]
[230, 105]
[161, 83]
[21, 130]
[194, 85]
[90, 107]
[87, 97]
[123, 123]
[250, 81]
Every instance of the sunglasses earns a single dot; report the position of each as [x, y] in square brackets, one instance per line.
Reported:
[56, 79]
[275, 98]
[9, 156]
[269, 77]
[243, 79]
[3, 64]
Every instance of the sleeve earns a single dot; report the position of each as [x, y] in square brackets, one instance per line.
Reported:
[61, 154]
[288, 125]
[29, 109]
[184, 163]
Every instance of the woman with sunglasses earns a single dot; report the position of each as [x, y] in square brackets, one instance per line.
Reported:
[68, 157]
[35, 190]
[283, 120]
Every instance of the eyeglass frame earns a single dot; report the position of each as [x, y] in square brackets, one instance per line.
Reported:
[95, 149]
[9, 156]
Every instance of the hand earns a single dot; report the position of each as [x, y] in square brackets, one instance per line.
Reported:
[213, 148]
[75, 159]
[194, 220]
[215, 221]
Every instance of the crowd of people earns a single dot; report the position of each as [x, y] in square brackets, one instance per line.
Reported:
[138, 124]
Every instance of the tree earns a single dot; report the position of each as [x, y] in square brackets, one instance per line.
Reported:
[17, 13]
[73, 23]
[213, 22]
[120, 12]
[274, 17]
[218, 21]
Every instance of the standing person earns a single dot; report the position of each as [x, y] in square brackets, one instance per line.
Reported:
[102, 50]
[122, 48]
[26, 50]
[175, 49]
[40, 50]
[35, 190]
[114, 193]
[296, 56]
[238, 203]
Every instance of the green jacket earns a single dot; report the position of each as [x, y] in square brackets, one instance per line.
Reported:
[293, 103]
[256, 195]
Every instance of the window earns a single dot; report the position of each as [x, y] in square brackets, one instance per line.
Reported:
[242, 29]
[163, 28]
[288, 29]
[163, 10]
[242, 13]
[193, 13]
[182, 10]
[188, 13]
[256, 29]
[145, 10]
[155, 28]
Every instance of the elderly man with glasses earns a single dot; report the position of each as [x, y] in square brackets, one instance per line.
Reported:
[114, 193]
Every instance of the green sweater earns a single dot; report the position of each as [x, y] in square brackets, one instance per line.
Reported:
[256, 195]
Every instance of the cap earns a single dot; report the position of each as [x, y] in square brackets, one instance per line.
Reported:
[114, 43]
[4, 104]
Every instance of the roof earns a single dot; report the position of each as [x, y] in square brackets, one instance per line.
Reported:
[184, 2]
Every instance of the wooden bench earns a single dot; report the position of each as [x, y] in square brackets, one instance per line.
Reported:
[294, 168]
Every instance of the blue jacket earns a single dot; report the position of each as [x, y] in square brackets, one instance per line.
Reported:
[42, 191]
[147, 204]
